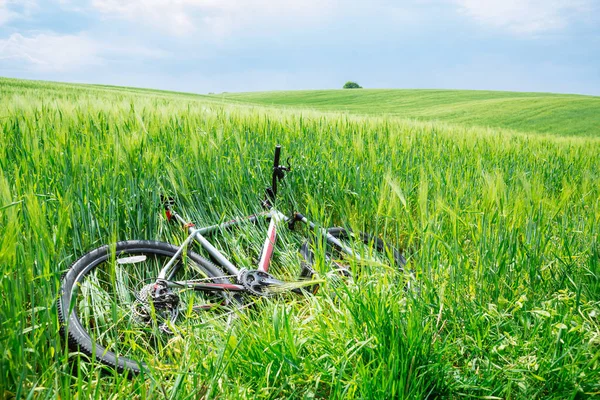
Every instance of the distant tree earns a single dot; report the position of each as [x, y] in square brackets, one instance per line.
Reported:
[352, 85]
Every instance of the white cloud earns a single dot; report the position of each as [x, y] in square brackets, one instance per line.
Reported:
[62, 53]
[220, 17]
[525, 16]
[6, 14]
[14, 9]
[50, 52]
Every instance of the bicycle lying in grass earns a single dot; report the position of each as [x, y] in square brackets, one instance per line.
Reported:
[125, 303]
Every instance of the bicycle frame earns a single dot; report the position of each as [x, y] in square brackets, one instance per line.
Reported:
[197, 235]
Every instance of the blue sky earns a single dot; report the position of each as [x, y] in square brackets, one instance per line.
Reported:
[248, 45]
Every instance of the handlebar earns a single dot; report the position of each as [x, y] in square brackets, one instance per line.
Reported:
[278, 174]
[277, 154]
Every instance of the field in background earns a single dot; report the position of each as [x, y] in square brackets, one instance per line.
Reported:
[501, 229]
[556, 114]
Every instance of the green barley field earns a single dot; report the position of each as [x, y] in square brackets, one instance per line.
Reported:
[497, 212]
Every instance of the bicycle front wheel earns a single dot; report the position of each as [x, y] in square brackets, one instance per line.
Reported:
[361, 256]
[105, 311]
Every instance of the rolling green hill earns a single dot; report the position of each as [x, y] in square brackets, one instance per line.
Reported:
[558, 114]
[546, 113]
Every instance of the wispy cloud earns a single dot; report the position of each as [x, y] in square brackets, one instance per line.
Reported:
[5, 14]
[50, 52]
[13, 9]
[62, 53]
[220, 17]
[525, 16]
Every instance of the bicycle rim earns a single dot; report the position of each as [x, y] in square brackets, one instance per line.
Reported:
[112, 316]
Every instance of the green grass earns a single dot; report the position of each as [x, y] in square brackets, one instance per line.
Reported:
[501, 229]
[556, 114]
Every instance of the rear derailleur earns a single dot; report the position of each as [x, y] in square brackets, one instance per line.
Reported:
[156, 303]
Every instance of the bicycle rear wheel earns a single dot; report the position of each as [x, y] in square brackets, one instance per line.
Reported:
[105, 311]
[372, 258]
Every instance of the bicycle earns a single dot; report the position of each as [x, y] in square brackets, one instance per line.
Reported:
[121, 303]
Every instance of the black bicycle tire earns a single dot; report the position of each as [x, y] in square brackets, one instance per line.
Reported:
[307, 270]
[71, 328]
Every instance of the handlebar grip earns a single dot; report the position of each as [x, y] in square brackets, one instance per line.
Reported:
[277, 154]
